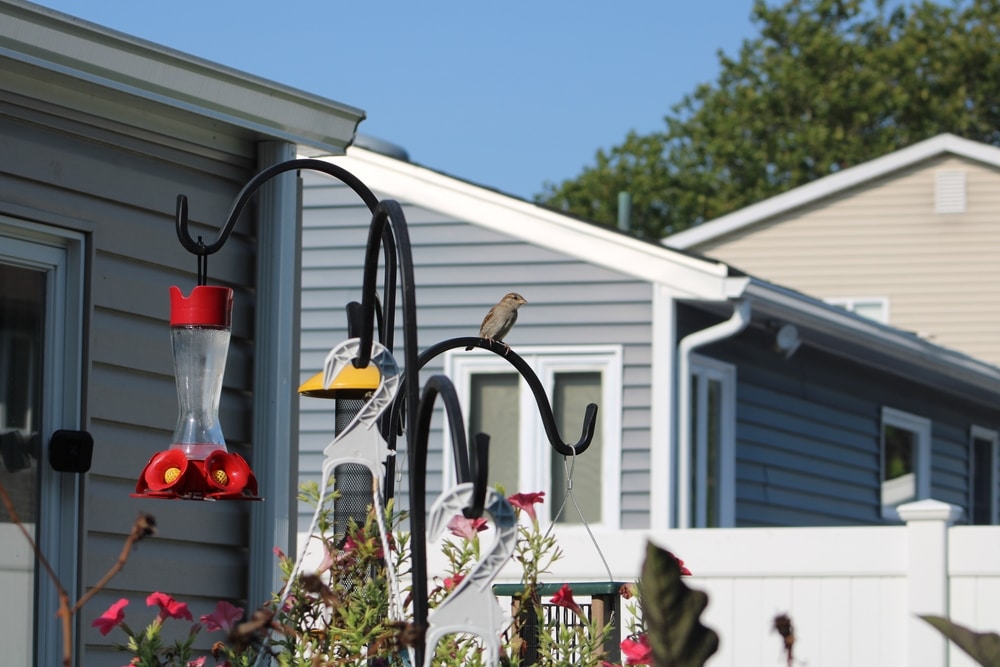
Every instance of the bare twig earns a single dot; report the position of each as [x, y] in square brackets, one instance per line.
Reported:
[144, 526]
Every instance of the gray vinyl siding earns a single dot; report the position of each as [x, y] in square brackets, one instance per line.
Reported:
[461, 269]
[121, 187]
[807, 450]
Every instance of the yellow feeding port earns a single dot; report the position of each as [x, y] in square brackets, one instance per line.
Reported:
[348, 384]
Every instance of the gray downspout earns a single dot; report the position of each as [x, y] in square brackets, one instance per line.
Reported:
[276, 372]
[682, 482]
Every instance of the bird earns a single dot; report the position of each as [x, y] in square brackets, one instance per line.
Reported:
[501, 318]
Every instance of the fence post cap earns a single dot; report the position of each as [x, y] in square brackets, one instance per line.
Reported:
[930, 510]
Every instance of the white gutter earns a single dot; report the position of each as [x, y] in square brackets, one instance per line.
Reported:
[682, 482]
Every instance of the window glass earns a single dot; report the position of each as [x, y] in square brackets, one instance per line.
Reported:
[571, 394]
[22, 300]
[905, 459]
[983, 493]
[712, 451]
[494, 410]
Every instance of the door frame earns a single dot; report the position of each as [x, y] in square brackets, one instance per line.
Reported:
[61, 254]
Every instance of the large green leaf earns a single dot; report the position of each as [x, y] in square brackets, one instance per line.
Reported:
[983, 647]
[672, 613]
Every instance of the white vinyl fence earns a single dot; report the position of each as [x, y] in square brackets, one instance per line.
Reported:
[852, 593]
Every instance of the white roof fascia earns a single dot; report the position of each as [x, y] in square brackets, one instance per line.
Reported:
[829, 185]
[64, 45]
[875, 336]
[685, 277]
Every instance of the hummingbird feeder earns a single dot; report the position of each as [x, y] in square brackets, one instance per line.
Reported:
[198, 466]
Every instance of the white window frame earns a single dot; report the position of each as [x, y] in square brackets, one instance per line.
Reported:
[850, 304]
[982, 433]
[61, 253]
[535, 460]
[921, 426]
[707, 368]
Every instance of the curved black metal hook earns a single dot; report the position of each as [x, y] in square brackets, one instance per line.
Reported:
[250, 189]
[480, 475]
[440, 385]
[202, 251]
[522, 367]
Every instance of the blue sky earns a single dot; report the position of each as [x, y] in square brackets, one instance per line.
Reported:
[505, 94]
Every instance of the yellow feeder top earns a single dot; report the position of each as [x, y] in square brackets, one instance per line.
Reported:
[350, 379]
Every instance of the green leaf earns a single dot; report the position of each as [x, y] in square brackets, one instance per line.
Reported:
[983, 647]
[672, 613]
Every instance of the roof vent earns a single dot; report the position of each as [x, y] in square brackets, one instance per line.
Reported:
[949, 191]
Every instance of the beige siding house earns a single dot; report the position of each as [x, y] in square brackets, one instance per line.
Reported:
[910, 239]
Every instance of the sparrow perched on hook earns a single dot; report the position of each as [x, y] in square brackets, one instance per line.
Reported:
[501, 318]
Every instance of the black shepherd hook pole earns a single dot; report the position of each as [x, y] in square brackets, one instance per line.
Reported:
[389, 215]
[440, 385]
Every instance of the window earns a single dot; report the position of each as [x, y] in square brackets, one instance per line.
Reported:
[905, 459]
[713, 417]
[874, 308]
[497, 401]
[983, 446]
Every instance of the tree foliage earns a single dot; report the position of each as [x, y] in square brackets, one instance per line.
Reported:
[825, 85]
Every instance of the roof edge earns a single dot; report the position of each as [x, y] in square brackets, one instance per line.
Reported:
[68, 46]
[832, 184]
[875, 336]
[507, 214]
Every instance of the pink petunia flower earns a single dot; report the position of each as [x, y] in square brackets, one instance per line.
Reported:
[564, 598]
[451, 582]
[110, 619]
[223, 618]
[197, 662]
[637, 651]
[169, 607]
[466, 528]
[526, 502]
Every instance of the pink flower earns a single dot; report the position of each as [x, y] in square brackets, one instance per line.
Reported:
[466, 528]
[564, 598]
[526, 502]
[223, 618]
[451, 582]
[169, 607]
[110, 619]
[637, 651]
[197, 662]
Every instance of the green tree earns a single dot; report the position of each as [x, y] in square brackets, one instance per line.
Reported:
[827, 84]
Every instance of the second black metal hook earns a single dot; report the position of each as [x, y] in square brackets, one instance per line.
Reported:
[440, 385]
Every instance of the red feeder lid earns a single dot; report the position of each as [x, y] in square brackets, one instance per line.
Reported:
[208, 305]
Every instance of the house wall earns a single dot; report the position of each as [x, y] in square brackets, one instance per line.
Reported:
[117, 182]
[807, 432]
[884, 239]
[461, 270]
